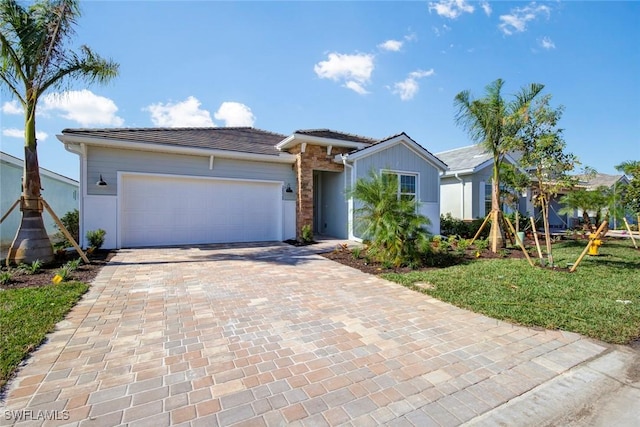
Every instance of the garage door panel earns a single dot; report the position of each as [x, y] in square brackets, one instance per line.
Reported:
[178, 210]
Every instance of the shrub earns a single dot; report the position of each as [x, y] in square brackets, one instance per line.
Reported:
[6, 277]
[392, 224]
[307, 234]
[96, 238]
[450, 226]
[71, 221]
[481, 244]
[33, 268]
[355, 252]
[73, 264]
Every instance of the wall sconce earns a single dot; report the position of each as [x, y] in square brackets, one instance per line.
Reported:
[101, 182]
[289, 190]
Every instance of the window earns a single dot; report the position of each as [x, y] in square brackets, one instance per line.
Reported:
[407, 184]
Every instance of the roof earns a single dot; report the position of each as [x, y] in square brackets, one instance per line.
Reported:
[237, 139]
[591, 182]
[20, 164]
[465, 158]
[332, 134]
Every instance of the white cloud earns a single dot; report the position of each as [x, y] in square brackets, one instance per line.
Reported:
[83, 106]
[19, 133]
[353, 70]
[182, 114]
[391, 45]
[547, 43]
[516, 21]
[235, 114]
[486, 7]
[438, 32]
[409, 87]
[12, 107]
[451, 8]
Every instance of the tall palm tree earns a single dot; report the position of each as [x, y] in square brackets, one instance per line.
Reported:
[494, 123]
[34, 58]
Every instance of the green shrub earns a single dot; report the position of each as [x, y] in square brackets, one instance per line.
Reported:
[73, 264]
[481, 244]
[392, 224]
[355, 252]
[33, 268]
[96, 238]
[71, 221]
[6, 277]
[306, 234]
[450, 226]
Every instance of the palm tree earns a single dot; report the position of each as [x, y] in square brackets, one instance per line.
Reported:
[35, 58]
[390, 222]
[494, 123]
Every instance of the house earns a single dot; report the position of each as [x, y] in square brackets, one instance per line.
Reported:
[594, 182]
[465, 188]
[60, 192]
[170, 186]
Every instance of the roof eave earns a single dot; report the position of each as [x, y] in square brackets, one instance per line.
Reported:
[174, 149]
[298, 138]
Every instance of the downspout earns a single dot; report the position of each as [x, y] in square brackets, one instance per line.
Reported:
[350, 199]
[461, 195]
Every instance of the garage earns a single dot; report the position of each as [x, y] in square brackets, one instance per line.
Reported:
[160, 210]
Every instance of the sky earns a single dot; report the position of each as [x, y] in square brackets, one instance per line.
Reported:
[370, 68]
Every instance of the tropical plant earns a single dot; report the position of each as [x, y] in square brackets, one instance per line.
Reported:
[391, 223]
[32, 268]
[6, 277]
[631, 197]
[307, 234]
[35, 58]
[70, 221]
[587, 201]
[494, 123]
[542, 147]
[96, 238]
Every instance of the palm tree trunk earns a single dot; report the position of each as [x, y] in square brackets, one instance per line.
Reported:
[31, 242]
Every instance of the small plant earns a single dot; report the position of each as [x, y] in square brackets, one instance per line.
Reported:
[463, 244]
[73, 265]
[503, 253]
[71, 221]
[96, 238]
[482, 244]
[62, 274]
[33, 268]
[6, 277]
[355, 252]
[306, 234]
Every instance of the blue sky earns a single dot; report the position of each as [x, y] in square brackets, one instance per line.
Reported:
[364, 67]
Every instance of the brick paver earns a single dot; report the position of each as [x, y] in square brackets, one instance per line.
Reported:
[267, 334]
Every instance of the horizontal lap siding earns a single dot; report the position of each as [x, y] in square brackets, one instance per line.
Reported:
[108, 162]
[401, 158]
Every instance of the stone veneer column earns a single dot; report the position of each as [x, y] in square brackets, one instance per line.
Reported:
[314, 158]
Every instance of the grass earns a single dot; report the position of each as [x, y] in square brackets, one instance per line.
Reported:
[27, 315]
[601, 299]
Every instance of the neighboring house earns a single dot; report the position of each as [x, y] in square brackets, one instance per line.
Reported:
[60, 192]
[465, 188]
[593, 183]
[170, 186]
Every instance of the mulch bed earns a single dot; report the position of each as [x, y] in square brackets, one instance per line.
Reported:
[85, 273]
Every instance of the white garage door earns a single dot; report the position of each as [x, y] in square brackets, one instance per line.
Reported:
[161, 210]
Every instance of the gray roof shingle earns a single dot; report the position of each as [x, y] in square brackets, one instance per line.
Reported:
[238, 139]
[464, 158]
[332, 134]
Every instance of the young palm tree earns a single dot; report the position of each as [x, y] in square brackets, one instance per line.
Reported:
[391, 223]
[494, 123]
[35, 58]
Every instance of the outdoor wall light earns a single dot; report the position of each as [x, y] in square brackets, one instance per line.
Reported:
[289, 190]
[101, 182]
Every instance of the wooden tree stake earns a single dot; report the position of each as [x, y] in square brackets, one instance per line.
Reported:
[65, 232]
[630, 232]
[584, 252]
[10, 210]
[480, 229]
[524, 250]
[535, 237]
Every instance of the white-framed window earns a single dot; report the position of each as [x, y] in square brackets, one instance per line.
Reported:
[407, 184]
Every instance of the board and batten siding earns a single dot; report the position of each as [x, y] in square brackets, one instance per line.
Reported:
[400, 158]
[108, 162]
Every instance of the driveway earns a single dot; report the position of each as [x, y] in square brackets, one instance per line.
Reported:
[275, 335]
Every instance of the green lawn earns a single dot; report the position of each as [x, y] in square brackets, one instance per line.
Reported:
[27, 315]
[601, 299]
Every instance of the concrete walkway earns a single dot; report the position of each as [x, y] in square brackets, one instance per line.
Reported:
[276, 335]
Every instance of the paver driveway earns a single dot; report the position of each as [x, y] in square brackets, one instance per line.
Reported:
[273, 335]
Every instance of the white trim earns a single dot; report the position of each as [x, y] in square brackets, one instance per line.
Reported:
[159, 148]
[296, 138]
[407, 173]
[407, 142]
